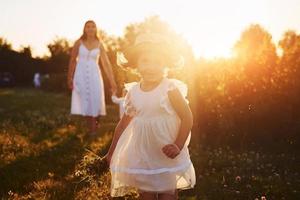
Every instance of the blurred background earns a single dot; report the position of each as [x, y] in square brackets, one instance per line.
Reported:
[242, 66]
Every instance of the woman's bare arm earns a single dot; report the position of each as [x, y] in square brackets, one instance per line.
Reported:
[107, 67]
[72, 63]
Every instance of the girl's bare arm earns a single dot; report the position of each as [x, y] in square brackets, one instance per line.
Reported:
[184, 113]
[121, 126]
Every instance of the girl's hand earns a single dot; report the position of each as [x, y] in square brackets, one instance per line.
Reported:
[171, 150]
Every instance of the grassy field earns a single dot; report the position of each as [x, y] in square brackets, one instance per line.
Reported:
[44, 155]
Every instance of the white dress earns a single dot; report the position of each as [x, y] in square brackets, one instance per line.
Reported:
[88, 97]
[37, 80]
[138, 162]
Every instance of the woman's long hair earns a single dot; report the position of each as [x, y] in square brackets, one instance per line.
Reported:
[84, 36]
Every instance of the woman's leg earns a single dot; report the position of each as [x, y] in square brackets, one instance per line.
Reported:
[168, 196]
[147, 195]
[92, 124]
[97, 122]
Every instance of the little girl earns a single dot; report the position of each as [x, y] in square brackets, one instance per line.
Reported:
[149, 151]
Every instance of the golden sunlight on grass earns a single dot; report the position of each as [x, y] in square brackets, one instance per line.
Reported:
[45, 160]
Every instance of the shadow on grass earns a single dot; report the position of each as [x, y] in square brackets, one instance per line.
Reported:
[59, 160]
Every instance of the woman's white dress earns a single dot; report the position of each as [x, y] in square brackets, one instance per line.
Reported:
[88, 97]
[138, 161]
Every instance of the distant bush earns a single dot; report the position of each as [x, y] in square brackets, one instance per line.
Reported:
[55, 82]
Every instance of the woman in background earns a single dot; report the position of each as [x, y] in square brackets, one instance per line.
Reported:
[85, 76]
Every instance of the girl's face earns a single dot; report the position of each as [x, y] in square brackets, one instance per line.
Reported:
[151, 66]
[90, 29]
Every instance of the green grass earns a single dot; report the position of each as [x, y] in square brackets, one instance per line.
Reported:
[43, 155]
[41, 144]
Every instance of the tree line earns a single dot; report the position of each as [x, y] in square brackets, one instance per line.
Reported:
[253, 94]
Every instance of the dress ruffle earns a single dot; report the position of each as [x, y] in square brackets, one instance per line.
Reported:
[172, 85]
[128, 106]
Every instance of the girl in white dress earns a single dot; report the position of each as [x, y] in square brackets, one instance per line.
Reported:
[149, 151]
[85, 77]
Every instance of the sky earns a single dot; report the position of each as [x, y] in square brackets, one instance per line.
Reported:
[211, 27]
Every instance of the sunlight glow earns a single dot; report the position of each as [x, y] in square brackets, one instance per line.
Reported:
[210, 27]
